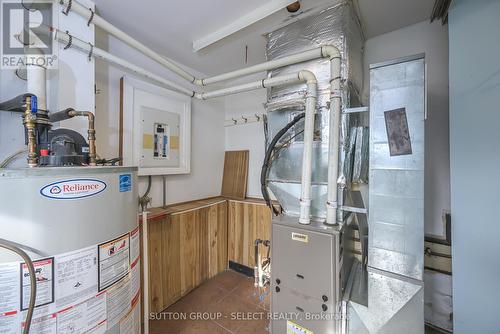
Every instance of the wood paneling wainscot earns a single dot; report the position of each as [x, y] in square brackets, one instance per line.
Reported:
[247, 221]
[187, 245]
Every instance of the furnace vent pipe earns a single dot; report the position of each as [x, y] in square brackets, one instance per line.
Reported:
[311, 98]
[36, 75]
[332, 211]
[37, 84]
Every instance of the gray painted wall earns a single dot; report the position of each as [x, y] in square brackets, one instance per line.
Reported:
[474, 27]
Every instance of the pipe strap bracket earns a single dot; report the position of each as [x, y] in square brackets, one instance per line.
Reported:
[70, 40]
[332, 205]
[68, 8]
[91, 18]
[336, 93]
[91, 51]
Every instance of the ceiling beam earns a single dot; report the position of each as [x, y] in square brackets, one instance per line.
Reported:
[254, 16]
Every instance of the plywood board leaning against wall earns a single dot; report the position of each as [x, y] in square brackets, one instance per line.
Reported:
[235, 177]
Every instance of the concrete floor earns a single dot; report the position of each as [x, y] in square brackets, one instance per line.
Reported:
[227, 295]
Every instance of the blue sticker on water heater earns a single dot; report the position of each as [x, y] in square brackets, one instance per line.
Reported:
[125, 182]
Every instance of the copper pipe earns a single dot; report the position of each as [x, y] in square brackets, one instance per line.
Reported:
[29, 123]
[90, 131]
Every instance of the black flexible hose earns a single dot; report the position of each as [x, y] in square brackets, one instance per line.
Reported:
[266, 164]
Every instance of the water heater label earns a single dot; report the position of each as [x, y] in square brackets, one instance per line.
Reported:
[68, 299]
[73, 189]
[293, 328]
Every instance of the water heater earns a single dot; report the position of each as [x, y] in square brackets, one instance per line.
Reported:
[80, 227]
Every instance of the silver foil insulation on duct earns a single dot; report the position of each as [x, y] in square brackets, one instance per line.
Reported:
[335, 25]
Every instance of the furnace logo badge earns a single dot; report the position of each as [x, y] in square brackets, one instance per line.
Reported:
[73, 189]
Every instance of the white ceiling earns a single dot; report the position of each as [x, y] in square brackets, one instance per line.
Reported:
[170, 27]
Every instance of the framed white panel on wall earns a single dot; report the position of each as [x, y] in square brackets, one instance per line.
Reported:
[155, 128]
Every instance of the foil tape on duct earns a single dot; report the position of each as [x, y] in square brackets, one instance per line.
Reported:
[336, 25]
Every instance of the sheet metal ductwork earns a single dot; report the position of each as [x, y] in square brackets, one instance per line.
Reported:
[336, 25]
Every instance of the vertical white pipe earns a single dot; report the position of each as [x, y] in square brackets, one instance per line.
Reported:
[145, 272]
[333, 146]
[37, 84]
[311, 97]
[305, 197]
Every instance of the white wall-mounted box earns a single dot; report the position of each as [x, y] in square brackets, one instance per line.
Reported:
[156, 128]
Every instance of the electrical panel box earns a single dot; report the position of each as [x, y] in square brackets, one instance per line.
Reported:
[160, 138]
[156, 129]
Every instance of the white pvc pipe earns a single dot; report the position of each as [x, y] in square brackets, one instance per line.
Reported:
[270, 65]
[334, 137]
[36, 75]
[311, 97]
[99, 53]
[145, 272]
[105, 25]
[271, 82]
[305, 198]
[37, 84]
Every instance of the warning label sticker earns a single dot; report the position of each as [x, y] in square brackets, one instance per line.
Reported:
[76, 276]
[293, 328]
[83, 317]
[89, 290]
[135, 246]
[9, 290]
[114, 261]
[44, 272]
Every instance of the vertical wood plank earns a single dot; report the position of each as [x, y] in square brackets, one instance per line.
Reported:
[235, 174]
[171, 260]
[222, 237]
[155, 266]
[189, 251]
[202, 245]
[231, 229]
[213, 244]
[240, 232]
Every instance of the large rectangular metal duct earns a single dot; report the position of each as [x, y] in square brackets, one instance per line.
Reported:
[391, 291]
[396, 221]
[336, 25]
